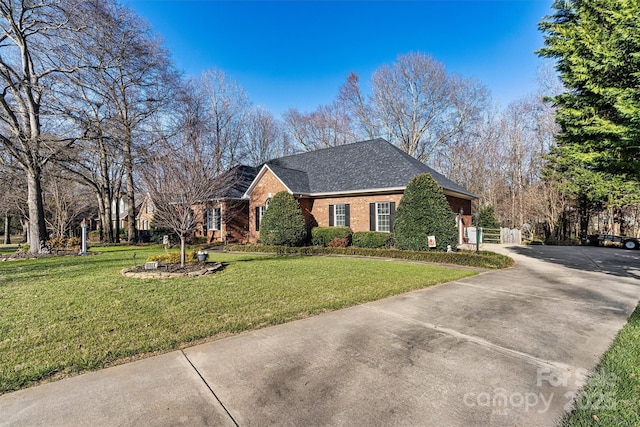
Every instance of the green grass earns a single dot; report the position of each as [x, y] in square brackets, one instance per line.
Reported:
[60, 316]
[8, 249]
[611, 397]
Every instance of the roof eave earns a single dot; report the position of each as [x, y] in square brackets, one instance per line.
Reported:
[459, 195]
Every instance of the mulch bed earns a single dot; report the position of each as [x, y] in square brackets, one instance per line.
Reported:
[29, 255]
[174, 270]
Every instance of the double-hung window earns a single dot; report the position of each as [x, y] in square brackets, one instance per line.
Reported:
[214, 219]
[381, 216]
[339, 215]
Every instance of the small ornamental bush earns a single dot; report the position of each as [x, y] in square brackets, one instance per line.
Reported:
[322, 236]
[74, 243]
[173, 257]
[338, 242]
[424, 211]
[283, 222]
[372, 239]
[58, 243]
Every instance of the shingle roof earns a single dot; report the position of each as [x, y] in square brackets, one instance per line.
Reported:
[235, 182]
[361, 166]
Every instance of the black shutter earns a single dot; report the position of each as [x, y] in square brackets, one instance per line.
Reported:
[372, 217]
[206, 220]
[392, 217]
[331, 215]
[257, 218]
[347, 216]
[219, 219]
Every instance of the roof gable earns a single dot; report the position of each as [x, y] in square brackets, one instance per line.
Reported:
[359, 167]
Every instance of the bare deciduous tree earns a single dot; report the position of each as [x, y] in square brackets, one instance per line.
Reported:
[227, 107]
[34, 61]
[66, 203]
[327, 126]
[415, 104]
[113, 101]
[351, 97]
[265, 138]
[183, 170]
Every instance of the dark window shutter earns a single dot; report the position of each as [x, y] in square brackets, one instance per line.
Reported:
[257, 218]
[392, 217]
[219, 219]
[372, 217]
[347, 216]
[206, 219]
[331, 215]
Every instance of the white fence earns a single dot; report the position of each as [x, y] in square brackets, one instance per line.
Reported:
[508, 236]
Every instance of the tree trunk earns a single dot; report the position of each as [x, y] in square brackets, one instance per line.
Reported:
[7, 228]
[183, 255]
[25, 229]
[116, 214]
[37, 226]
[130, 187]
[131, 208]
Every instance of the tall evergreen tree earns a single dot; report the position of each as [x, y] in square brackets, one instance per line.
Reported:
[597, 47]
[424, 211]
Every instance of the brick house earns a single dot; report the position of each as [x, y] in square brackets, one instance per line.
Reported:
[144, 217]
[356, 185]
[225, 215]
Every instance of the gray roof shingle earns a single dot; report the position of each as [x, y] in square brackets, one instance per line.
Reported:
[234, 183]
[362, 166]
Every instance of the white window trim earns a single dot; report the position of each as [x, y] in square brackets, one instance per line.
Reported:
[344, 215]
[378, 216]
[213, 219]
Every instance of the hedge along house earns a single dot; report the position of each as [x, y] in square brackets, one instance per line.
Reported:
[224, 217]
[356, 185]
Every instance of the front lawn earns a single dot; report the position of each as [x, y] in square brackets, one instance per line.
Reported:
[60, 316]
[611, 397]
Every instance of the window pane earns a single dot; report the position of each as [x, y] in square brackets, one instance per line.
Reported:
[214, 218]
[340, 217]
[383, 211]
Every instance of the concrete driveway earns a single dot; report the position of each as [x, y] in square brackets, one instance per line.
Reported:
[504, 348]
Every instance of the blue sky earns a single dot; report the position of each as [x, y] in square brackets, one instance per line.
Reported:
[298, 53]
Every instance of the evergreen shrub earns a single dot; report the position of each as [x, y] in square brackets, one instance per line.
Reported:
[283, 222]
[372, 239]
[424, 211]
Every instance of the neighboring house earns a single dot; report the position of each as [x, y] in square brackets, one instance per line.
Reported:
[144, 217]
[225, 216]
[121, 218]
[356, 185]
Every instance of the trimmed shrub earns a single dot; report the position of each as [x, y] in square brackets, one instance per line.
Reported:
[372, 239]
[483, 259]
[283, 222]
[424, 211]
[322, 236]
[338, 242]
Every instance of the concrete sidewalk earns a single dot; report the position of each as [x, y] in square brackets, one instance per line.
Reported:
[502, 348]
